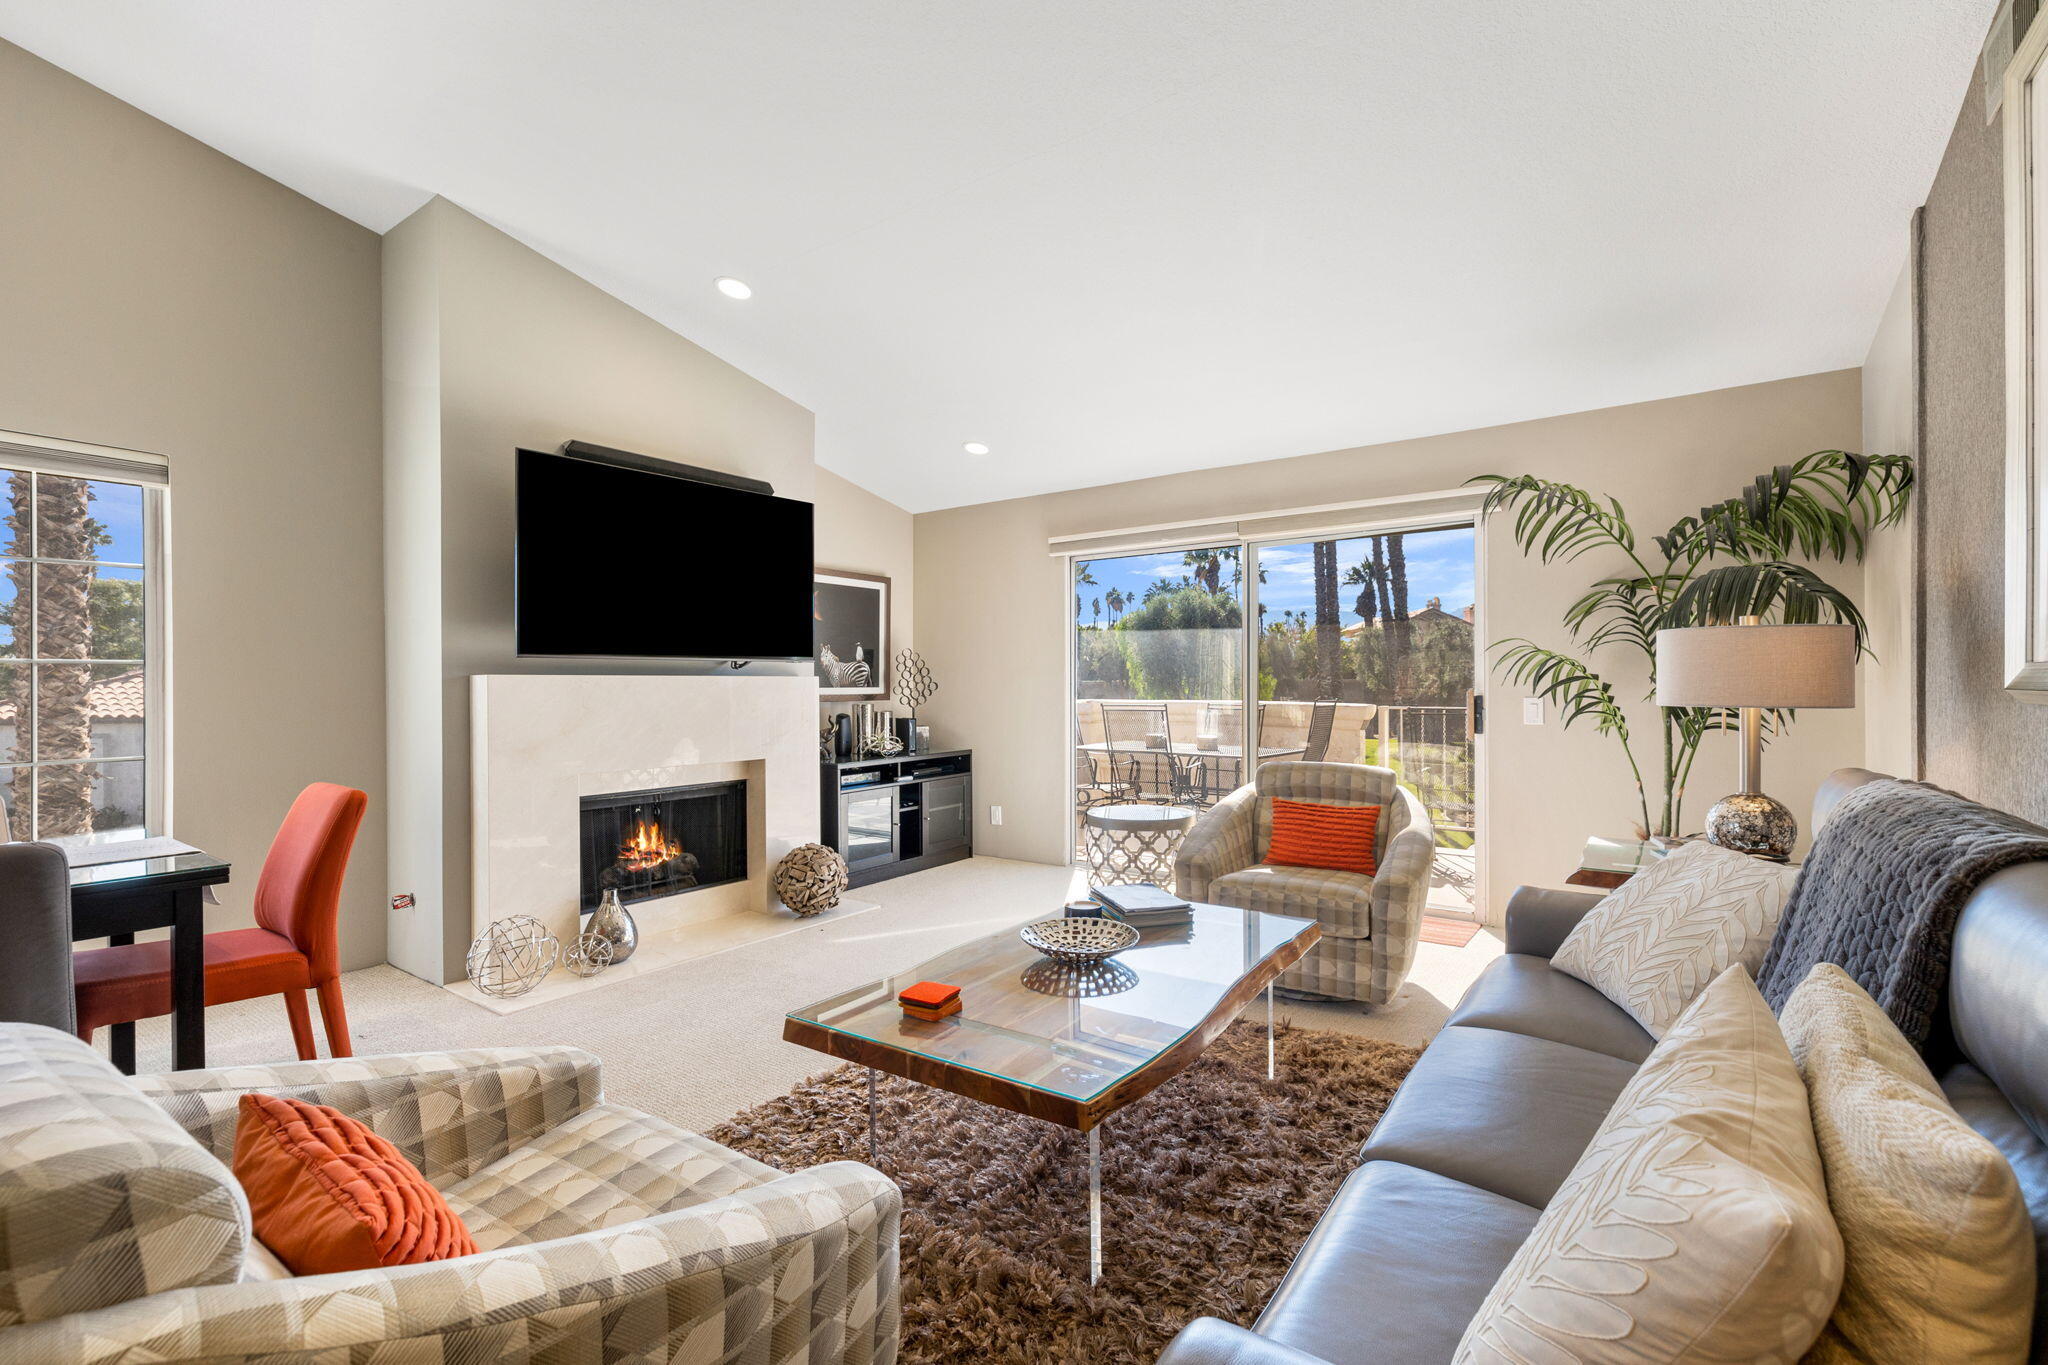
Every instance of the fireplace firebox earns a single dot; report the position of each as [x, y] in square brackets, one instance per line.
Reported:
[663, 843]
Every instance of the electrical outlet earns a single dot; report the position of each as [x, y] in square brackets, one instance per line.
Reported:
[1532, 710]
[995, 815]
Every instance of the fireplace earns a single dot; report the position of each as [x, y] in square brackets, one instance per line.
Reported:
[664, 842]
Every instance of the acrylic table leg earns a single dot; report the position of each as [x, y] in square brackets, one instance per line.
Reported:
[1094, 1206]
[1269, 1031]
[874, 1146]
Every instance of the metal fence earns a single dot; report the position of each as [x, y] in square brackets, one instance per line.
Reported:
[1430, 747]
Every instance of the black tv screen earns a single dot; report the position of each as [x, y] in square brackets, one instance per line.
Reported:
[625, 563]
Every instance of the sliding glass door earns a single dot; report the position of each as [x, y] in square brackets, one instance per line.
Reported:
[1367, 653]
[1158, 671]
[1192, 665]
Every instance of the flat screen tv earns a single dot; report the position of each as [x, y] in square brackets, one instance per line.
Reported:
[629, 563]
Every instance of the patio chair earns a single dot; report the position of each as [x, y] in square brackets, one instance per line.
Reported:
[1371, 924]
[1184, 775]
[1134, 763]
[1322, 722]
[1213, 775]
[1098, 780]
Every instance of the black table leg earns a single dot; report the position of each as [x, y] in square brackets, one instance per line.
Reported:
[121, 1038]
[188, 979]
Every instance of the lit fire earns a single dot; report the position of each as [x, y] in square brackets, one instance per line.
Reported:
[649, 848]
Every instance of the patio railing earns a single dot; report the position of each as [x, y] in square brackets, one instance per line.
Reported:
[1429, 747]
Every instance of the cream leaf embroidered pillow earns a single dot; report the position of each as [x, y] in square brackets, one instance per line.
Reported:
[1940, 1251]
[1655, 944]
[1694, 1227]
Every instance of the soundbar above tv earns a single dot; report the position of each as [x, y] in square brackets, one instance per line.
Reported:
[624, 556]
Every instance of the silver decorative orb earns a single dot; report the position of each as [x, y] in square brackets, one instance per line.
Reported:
[512, 956]
[588, 955]
[810, 879]
[1750, 822]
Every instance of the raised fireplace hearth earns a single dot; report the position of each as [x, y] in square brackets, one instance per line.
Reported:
[647, 844]
[545, 748]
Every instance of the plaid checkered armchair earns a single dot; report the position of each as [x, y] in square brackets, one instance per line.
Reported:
[605, 1233]
[1370, 924]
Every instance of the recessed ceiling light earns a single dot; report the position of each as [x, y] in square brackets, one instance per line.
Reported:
[975, 448]
[734, 289]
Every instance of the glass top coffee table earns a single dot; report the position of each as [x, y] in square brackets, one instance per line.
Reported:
[1069, 1045]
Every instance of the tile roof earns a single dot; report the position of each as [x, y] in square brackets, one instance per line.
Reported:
[121, 697]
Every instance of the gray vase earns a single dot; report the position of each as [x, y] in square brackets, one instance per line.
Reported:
[615, 923]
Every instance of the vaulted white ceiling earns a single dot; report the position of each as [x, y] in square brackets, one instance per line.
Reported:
[1112, 238]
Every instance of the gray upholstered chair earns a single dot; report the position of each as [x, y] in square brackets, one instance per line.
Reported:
[1370, 924]
[35, 905]
[605, 1233]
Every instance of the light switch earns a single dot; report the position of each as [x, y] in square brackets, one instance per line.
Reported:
[1532, 710]
[995, 815]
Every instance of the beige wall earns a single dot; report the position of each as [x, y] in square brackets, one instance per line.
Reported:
[862, 533]
[156, 295]
[490, 347]
[992, 606]
[1890, 676]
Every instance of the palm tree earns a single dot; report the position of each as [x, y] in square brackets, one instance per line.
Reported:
[1820, 507]
[1116, 601]
[1206, 568]
[1097, 604]
[1360, 576]
[1397, 616]
[1329, 625]
[51, 518]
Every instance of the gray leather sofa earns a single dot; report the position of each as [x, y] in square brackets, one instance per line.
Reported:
[1491, 1120]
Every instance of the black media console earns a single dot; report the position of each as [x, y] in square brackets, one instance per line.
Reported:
[889, 816]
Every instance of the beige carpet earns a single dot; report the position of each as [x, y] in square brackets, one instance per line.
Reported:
[1210, 1185]
[702, 1040]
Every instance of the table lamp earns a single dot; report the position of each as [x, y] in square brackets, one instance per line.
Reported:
[1754, 667]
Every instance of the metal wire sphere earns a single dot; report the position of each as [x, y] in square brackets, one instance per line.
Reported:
[589, 954]
[512, 956]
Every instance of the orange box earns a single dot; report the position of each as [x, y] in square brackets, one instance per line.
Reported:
[932, 1016]
[929, 995]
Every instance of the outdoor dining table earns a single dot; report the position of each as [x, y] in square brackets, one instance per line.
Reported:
[1190, 750]
[1232, 752]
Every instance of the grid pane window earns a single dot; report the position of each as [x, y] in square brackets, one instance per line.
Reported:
[74, 627]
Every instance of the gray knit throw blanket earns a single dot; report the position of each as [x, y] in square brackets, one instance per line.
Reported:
[1882, 890]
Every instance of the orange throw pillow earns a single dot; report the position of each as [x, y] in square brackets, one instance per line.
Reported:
[1311, 834]
[326, 1194]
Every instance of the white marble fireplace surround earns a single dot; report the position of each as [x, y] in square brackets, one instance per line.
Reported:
[539, 742]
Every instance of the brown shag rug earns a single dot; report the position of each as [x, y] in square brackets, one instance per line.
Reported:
[1210, 1185]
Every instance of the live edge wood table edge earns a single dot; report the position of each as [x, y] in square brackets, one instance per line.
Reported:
[997, 1018]
[116, 901]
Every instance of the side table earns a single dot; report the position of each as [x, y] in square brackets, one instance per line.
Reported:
[1607, 863]
[1135, 843]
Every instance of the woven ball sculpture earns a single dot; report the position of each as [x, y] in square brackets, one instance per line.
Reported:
[512, 956]
[588, 955]
[810, 879]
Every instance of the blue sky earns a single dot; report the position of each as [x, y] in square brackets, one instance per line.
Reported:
[1439, 565]
[118, 506]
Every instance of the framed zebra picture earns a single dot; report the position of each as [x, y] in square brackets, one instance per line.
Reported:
[850, 634]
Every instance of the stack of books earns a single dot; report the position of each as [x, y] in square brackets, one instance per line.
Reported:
[1144, 906]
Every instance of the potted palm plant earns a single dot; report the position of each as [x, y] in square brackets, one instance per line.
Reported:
[1747, 556]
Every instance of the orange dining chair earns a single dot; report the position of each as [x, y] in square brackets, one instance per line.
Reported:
[292, 947]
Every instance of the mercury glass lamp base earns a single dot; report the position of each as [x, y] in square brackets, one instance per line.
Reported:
[1752, 823]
